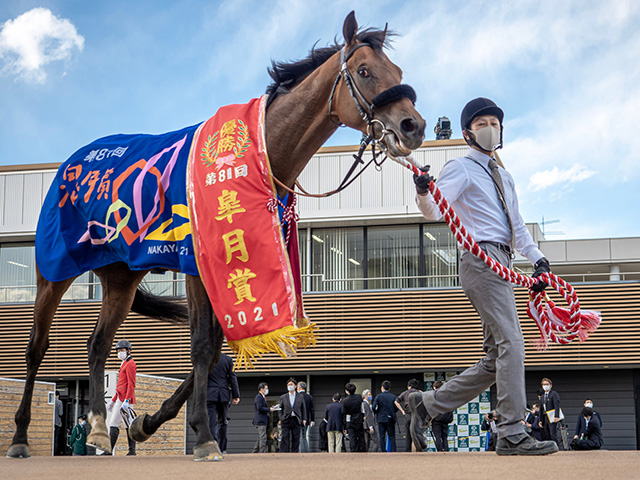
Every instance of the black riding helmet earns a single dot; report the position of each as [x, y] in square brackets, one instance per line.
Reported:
[123, 344]
[480, 106]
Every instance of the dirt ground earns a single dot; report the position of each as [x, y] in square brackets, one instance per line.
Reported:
[619, 465]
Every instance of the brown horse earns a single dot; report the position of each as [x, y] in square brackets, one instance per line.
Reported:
[354, 84]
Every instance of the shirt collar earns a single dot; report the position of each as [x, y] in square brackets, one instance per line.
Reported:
[479, 156]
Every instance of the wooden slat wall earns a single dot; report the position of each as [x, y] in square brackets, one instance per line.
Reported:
[383, 330]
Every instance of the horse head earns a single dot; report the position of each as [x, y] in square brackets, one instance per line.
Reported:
[370, 97]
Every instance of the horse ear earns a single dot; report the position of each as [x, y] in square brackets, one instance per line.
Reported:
[350, 29]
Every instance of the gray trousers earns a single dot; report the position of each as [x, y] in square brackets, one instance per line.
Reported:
[493, 299]
[304, 439]
[261, 443]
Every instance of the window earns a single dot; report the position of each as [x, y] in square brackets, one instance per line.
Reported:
[393, 253]
[338, 255]
[440, 256]
[17, 273]
[303, 239]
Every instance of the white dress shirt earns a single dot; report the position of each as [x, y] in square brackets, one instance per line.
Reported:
[469, 189]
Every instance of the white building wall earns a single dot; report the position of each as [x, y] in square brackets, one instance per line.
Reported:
[377, 193]
[384, 196]
[21, 197]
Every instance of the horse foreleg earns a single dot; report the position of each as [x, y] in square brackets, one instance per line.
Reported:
[206, 341]
[146, 425]
[118, 286]
[48, 298]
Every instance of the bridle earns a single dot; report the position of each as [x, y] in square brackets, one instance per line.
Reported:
[366, 110]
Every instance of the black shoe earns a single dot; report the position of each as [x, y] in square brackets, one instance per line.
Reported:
[132, 445]
[114, 432]
[420, 421]
[523, 444]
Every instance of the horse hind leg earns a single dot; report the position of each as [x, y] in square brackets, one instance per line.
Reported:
[119, 285]
[48, 297]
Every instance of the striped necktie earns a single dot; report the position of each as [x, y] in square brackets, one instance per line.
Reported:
[497, 178]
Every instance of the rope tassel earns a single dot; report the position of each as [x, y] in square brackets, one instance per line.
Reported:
[556, 324]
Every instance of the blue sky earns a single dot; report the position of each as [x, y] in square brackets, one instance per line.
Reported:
[566, 73]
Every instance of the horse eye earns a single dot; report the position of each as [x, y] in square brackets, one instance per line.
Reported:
[363, 72]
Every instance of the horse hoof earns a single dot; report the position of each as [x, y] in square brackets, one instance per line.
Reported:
[99, 440]
[207, 452]
[136, 432]
[18, 450]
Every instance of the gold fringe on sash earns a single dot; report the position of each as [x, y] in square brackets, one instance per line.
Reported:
[283, 341]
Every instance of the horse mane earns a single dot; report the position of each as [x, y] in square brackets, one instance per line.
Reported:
[286, 75]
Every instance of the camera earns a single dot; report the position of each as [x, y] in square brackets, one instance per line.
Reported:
[490, 416]
[443, 129]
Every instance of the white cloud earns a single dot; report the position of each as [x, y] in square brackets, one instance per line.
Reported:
[35, 39]
[547, 178]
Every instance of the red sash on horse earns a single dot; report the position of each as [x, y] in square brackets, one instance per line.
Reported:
[237, 235]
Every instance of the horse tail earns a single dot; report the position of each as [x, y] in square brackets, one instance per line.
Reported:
[168, 309]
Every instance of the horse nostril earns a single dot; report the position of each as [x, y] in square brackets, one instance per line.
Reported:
[408, 125]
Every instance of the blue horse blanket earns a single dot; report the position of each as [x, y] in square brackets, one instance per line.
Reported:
[121, 198]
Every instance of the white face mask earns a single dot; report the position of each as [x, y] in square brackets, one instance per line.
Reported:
[488, 138]
[546, 388]
[291, 388]
[266, 391]
[590, 405]
[122, 356]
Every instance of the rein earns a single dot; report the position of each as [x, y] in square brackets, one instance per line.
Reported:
[555, 324]
[366, 111]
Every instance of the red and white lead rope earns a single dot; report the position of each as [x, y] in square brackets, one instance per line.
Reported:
[557, 325]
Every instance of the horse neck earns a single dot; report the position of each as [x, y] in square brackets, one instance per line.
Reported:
[297, 124]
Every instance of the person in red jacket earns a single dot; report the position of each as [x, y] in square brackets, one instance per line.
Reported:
[125, 395]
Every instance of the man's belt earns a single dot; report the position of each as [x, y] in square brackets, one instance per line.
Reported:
[499, 246]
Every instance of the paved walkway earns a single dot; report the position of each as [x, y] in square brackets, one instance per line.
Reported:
[618, 465]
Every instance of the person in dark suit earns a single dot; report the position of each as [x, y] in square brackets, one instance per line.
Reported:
[592, 438]
[222, 386]
[371, 437]
[335, 424]
[581, 425]
[413, 386]
[311, 417]
[323, 444]
[352, 411]
[532, 422]
[293, 413]
[549, 401]
[440, 426]
[385, 409]
[261, 417]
